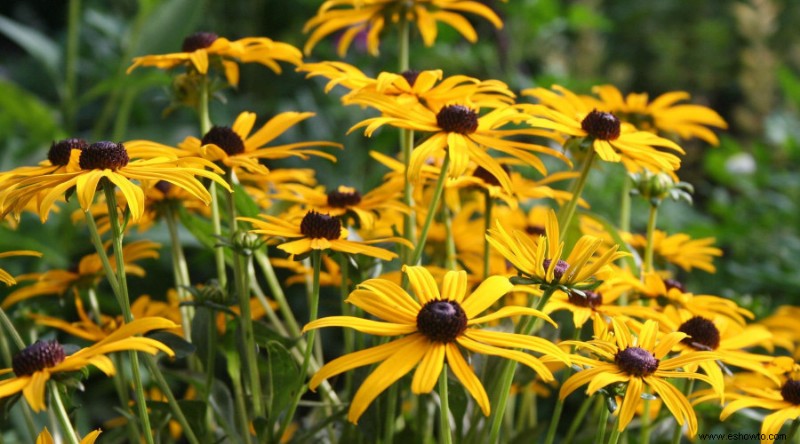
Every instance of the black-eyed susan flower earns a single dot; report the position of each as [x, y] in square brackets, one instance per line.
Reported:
[462, 132]
[540, 260]
[88, 273]
[372, 16]
[664, 114]
[566, 113]
[315, 231]
[103, 162]
[638, 362]
[783, 401]
[680, 249]
[238, 147]
[5, 277]
[37, 363]
[435, 325]
[204, 49]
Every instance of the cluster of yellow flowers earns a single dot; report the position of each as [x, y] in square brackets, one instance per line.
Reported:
[461, 255]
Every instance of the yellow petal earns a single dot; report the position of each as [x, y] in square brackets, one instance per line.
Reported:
[429, 369]
[485, 295]
[422, 283]
[464, 373]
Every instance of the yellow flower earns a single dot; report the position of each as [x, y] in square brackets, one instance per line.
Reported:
[662, 114]
[540, 259]
[87, 274]
[435, 324]
[46, 438]
[201, 49]
[564, 112]
[237, 148]
[784, 401]
[34, 365]
[460, 131]
[315, 232]
[109, 161]
[5, 277]
[682, 250]
[371, 16]
[638, 362]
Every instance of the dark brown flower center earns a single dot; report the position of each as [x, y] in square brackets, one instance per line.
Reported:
[791, 391]
[163, 186]
[36, 357]
[535, 230]
[104, 155]
[457, 119]
[198, 40]
[601, 125]
[410, 76]
[225, 138]
[558, 270]
[636, 361]
[589, 299]
[344, 197]
[673, 283]
[316, 225]
[60, 151]
[704, 335]
[489, 178]
[441, 321]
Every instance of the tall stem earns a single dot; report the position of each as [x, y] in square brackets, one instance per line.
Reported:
[651, 231]
[122, 284]
[614, 438]
[70, 65]
[188, 433]
[602, 424]
[503, 390]
[61, 414]
[676, 434]
[9, 326]
[577, 420]
[444, 417]
[180, 270]
[406, 145]
[487, 224]
[316, 259]
[568, 211]
[437, 195]
[625, 204]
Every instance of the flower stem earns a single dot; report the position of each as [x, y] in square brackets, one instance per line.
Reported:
[188, 433]
[651, 231]
[644, 432]
[406, 145]
[792, 430]
[450, 241]
[180, 270]
[216, 227]
[487, 224]
[568, 211]
[437, 195]
[615, 432]
[625, 204]
[125, 305]
[559, 408]
[676, 433]
[11, 330]
[444, 413]
[503, 390]
[316, 259]
[577, 420]
[603, 422]
[61, 414]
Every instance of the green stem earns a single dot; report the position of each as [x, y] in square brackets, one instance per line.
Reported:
[603, 422]
[188, 433]
[450, 242]
[437, 195]
[180, 270]
[615, 432]
[122, 285]
[793, 430]
[241, 409]
[216, 227]
[71, 62]
[242, 291]
[9, 326]
[625, 204]
[503, 390]
[577, 420]
[651, 231]
[568, 211]
[316, 259]
[94, 304]
[122, 387]
[676, 433]
[644, 432]
[406, 146]
[61, 414]
[487, 224]
[559, 408]
[390, 418]
[5, 352]
[202, 107]
[444, 414]
[97, 241]
[405, 44]
[349, 334]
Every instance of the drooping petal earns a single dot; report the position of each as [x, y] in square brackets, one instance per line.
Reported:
[464, 373]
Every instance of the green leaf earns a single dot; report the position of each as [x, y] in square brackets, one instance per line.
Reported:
[245, 205]
[167, 24]
[284, 377]
[202, 321]
[264, 335]
[195, 413]
[38, 45]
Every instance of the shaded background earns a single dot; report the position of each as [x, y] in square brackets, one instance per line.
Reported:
[741, 58]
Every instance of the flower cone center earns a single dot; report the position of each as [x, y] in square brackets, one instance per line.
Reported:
[791, 391]
[601, 125]
[489, 178]
[589, 299]
[457, 119]
[60, 151]
[441, 321]
[636, 361]
[225, 138]
[316, 225]
[344, 197]
[198, 40]
[704, 335]
[559, 270]
[36, 357]
[104, 155]
[410, 76]
[673, 283]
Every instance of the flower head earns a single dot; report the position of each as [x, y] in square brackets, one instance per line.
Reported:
[435, 324]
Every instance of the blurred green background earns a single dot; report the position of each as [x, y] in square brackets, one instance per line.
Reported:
[62, 74]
